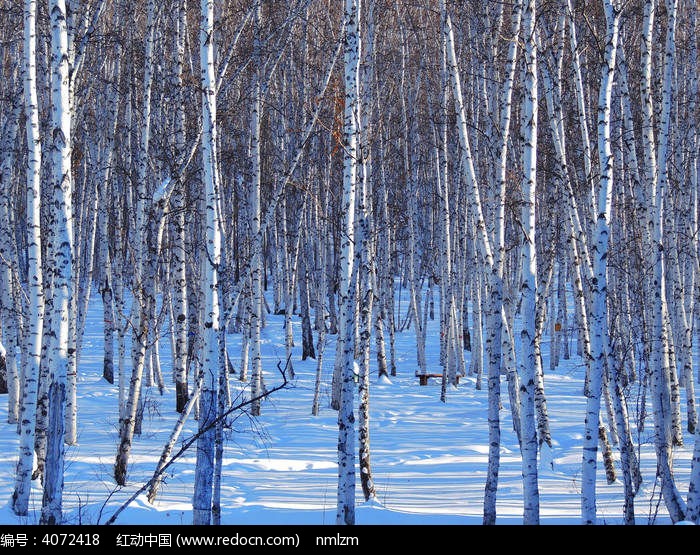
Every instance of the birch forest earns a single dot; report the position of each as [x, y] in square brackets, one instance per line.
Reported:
[525, 172]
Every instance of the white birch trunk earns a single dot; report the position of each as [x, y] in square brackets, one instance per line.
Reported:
[543, 289]
[346, 415]
[8, 309]
[364, 258]
[692, 227]
[475, 209]
[179, 251]
[256, 385]
[320, 309]
[499, 346]
[661, 379]
[3, 368]
[82, 285]
[122, 320]
[106, 280]
[20, 497]
[599, 285]
[172, 440]
[477, 362]
[628, 459]
[245, 344]
[693, 512]
[42, 409]
[305, 283]
[581, 101]
[139, 310]
[122, 385]
[62, 247]
[105, 286]
[204, 469]
[528, 288]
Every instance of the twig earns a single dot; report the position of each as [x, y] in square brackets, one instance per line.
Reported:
[195, 437]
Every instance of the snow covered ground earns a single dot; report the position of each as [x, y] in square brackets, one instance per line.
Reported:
[429, 459]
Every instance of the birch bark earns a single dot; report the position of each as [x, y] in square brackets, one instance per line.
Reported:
[528, 137]
[20, 497]
[209, 401]
[62, 247]
[346, 416]
[599, 284]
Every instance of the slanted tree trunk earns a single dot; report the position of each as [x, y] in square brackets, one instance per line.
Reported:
[477, 365]
[172, 440]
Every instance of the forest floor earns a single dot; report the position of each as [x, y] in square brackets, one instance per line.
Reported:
[429, 459]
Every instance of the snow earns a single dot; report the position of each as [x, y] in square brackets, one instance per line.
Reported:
[383, 380]
[429, 459]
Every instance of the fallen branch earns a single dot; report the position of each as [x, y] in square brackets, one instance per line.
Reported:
[161, 470]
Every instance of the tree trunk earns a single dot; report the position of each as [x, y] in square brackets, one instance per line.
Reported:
[348, 271]
[28, 410]
[528, 335]
[256, 384]
[179, 252]
[661, 378]
[139, 310]
[8, 302]
[208, 408]
[307, 337]
[599, 289]
[61, 245]
[172, 440]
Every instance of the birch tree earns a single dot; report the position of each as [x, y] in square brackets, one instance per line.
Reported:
[599, 284]
[661, 378]
[495, 317]
[529, 268]
[9, 309]
[61, 246]
[346, 416]
[254, 215]
[179, 253]
[105, 258]
[139, 309]
[204, 470]
[693, 512]
[20, 497]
